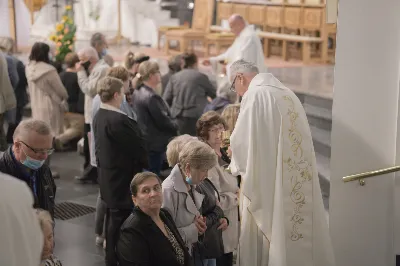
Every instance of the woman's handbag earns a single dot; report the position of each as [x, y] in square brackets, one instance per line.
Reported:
[210, 244]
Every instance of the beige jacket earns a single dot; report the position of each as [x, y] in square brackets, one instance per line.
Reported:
[48, 95]
[226, 184]
[88, 85]
[7, 96]
[178, 202]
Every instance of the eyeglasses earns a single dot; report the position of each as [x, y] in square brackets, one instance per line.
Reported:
[39, 151]
[232, 88]
[217, 129]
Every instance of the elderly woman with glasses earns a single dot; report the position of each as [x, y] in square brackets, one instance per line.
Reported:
[192, 199]
[210, 128]
[149, 235]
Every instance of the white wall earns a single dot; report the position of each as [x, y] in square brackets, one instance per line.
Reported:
[4, 19]
[23, 21]
[364, 131]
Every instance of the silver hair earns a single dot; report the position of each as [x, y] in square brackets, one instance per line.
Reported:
[89, 52]
[97, 39]
[198, 155]
[242, 66]
[175, 146]
[32, 125]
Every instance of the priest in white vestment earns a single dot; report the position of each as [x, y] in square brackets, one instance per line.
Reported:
[247, 46]
[283, 221]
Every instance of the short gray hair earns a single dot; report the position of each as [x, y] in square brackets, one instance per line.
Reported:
[89, 52]
[242, 66]
[32, 125]
[198, 155]
[175, 146]
[97, 39]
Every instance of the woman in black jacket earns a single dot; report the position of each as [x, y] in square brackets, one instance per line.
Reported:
[120, 154]
[149, 236]
[153, 115]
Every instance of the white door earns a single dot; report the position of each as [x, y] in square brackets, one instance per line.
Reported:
[365, 132]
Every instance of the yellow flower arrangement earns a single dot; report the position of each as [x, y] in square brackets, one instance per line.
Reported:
[64, 35]
[59, 27]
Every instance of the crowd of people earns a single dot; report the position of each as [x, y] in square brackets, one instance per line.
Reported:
[187, 175]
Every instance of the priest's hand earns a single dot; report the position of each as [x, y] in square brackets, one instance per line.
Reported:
[229, 152]
[200, 223]
[223, 224]
[206, 62]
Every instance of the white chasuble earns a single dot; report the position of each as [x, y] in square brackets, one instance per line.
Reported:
[283, 221]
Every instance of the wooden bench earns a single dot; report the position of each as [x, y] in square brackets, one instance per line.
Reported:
[219, 40]
[306, 42]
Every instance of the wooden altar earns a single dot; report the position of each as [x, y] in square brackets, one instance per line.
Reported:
[289, 28]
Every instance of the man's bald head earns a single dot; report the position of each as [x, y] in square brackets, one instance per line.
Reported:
[237, 24]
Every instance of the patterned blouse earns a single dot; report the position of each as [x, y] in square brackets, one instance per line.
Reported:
[180, 255]
[52, 261]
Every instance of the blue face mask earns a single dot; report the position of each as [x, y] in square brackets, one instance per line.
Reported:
[189, 180]
[32, 163]
[103, 52]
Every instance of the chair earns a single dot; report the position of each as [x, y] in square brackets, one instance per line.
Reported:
[202, 18]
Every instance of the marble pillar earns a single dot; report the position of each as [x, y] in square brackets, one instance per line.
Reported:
[365, 132]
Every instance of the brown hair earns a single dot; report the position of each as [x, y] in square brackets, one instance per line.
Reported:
[107, 87]
[206, 122]
[129, 60]
[146, 69]
[189, 60]
[230, 115]
[71, 59]
[139, 178]
[119, 72]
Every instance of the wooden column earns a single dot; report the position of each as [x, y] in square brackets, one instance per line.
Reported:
[12, 19]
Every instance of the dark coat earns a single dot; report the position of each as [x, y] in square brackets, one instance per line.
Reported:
[142, 243]
[187, 93]
[45, 186]
[120, 154]
[154, 118]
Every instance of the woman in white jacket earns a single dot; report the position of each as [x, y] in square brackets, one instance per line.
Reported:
[47, 93]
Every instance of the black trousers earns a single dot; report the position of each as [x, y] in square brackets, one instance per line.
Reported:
[225, 260]
[114, 219]
[86, 151]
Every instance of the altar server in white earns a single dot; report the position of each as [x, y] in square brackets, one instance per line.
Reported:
[247, 46]
[283, 221]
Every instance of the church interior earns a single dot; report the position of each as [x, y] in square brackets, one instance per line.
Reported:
[299, 45]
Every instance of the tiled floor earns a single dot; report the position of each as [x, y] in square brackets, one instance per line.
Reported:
[75, 239]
